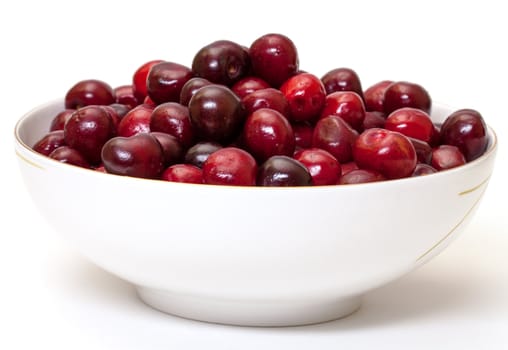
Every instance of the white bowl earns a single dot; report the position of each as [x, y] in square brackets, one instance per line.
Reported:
[247, 255]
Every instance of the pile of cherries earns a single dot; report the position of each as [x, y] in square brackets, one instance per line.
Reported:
[250, 116]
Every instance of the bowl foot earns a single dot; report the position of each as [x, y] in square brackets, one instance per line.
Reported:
[264, 313]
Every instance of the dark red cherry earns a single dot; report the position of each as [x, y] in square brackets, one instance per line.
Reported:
[342, 79]
[173, 118]
[466, 130]
[68, 155]
[360, 176]
[165, 81]
[124, 95]
[87, 130]
[374, 119]
[283, 171]
[185, 173]
[198, 153]
[230, 166]
[59, 120]
[221, 62]
[89, 92]
[423, 169]
[405, 94]
[49, 142]
[140, 155]
[345, 104]
[139, 79]
[136, 121]
[274, 58]
[248, 85]
[303, 135]
[423, 150]
[322, 166]
[334, 135]
[447, 157]
[374, 96]
[387, 152]
[305, 94]
[172, 150]
[266, 98]
[190, 88]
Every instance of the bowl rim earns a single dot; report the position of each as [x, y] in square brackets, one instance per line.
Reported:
[39, 158]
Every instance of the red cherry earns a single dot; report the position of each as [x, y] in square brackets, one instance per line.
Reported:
[136, 121]
[360, 176]
[447, 157]
[347, 105]
[305, 94]
[387, 152]
[230, 166]
[165, 81]
[374, 96]
[68, 155]
[49, 142]
[411, 122]
[89, 92]
[334, 135]
[125, 95]
[139, 79]
[183, 173]
[322, 166]
[342, 79]
[404, 94]
[59, 120]
[374, 119]
[303, 135]
[173, 118]
[423, 169]
[248, 85]
[266, 98]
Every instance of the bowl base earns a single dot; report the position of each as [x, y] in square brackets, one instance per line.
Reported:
[262, 313]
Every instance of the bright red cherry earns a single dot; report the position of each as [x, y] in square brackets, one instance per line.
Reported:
[230, 166]
[136, 121]
[411, 122]
[305, 94]
[248, 85]
[345, 104]
[183, 173]
[323, 167]
[266, 98]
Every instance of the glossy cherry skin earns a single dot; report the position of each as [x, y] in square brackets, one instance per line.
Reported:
[173, 118]
[139, 79]
[405, 94]
[140, 155]
[221, 62]
[283, 171]
[184, 173]
[198, 153]
[266, 98]
[423, 150]
[303, 135]
[387, 152]
[58, 121]
[165, 81]
[230, 166]
[305, 94]
[248, 85]
[267, 133]
[274, 58]
[190, 88]
[465, 129]
[345, 104]
[411, 122]
[172, 150]
[216, 113]
[342, 79]
[136, 121]
[124, 95]
[423, 169]
[334, 135]
[68, 155]
[49, 142]
[87, 130]
[322, 166]
[89, 92]
[447, 157]
[360, 176]
[374, 96]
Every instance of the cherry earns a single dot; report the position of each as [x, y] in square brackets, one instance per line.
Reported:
[466, 130]
[405, 94]
[387, 152]
[89, 92]
[267, 133]
[190, 87]
[140, 155]
[139, 79]
[87, 130]
[411, 122]
[283, 171]
[165, 81]
[305, 94]
[423, 169]
[374, 119]
[322, 166]
[374, 96]
[303, 135]
[447, 157]
[422, 149]
[136, 121]
[125, 95]
[120, 109]
[216, 113]
[173, 118]
[274, 58]
[347, 167]
[172, 150]
[221, 62]
[342, 79]
[248, 85]
[360, 176]
[334, 135]
[68, 155]
[266, 98]
[345, 104]
[185, 173]
[198, 154]
[230, 166]
[49, 142]
[58, 121]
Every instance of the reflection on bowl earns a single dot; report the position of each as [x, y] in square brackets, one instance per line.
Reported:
[250, 255]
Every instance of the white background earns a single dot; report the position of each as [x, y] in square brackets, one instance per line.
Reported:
[51, 298]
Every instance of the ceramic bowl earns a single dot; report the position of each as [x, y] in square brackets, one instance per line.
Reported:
[250, 255]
